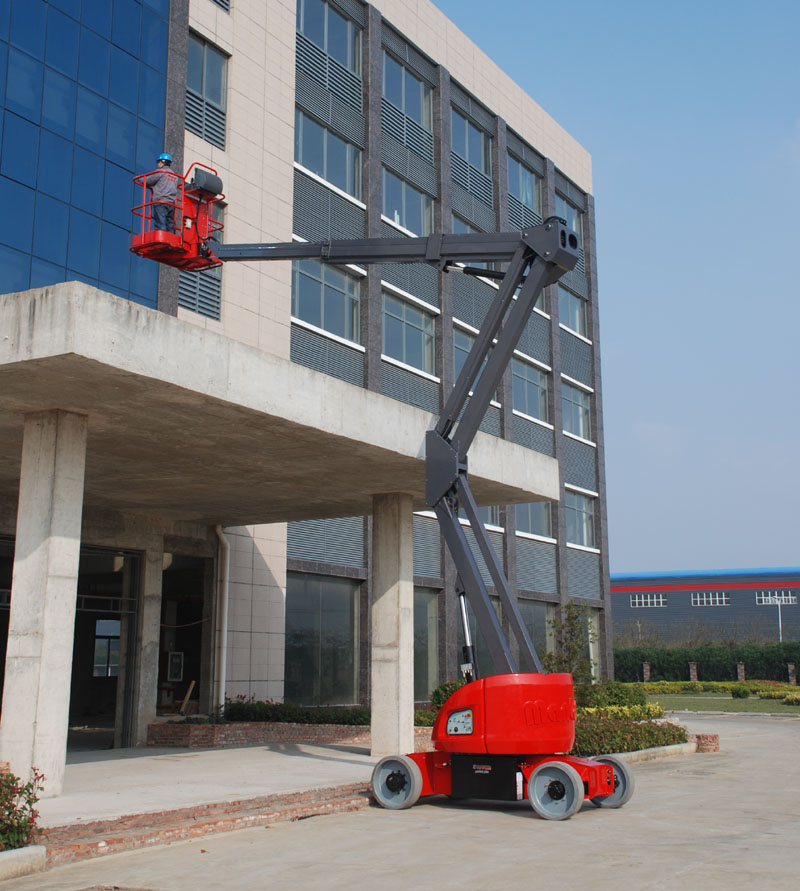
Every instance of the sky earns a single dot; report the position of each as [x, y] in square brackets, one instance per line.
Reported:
[691, 112]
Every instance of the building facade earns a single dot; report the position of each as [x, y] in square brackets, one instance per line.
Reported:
[226, 540]
[739, 605]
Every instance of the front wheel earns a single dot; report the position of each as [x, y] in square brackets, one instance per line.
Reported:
[623, 782]
[396, 782]
[555, 790]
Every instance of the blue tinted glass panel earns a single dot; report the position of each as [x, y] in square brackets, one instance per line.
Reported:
[90, 120]
[27, 26]
[154, 41]
[15, 270]
[20, 148]
[144, 280]
[96, 14]
[121, 140]
[160, 6]
[44, 273]
[3, 64]
[123, 86]
[94, 56]
[58, 103]
[24, 89]
[149, 146]
[126, 25]
[118, 196]
[50, 228]
[87, 180]
[16, 223]
[62, 43]
[115, 257]
[151, 95]
[55, 165]
[5, 15]
[71, 7]
[84, 243]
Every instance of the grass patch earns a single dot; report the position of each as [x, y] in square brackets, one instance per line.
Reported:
[719, 702]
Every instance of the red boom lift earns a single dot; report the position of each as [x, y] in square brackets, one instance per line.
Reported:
[504, 736]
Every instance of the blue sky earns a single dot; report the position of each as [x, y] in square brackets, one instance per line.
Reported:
[691, 111]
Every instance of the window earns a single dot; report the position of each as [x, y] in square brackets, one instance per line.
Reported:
[710, 598]
[572, 215]
[572, 311]
[206, 82]
[471, 143]
[524, 185]
[408, 333]
[322, 641]
[406, 206]
[407, 92]
[575, 406]
[106, 648]
[326, 296]
[426, 637]
[529, 390]
[535, 518]
[201, 292]
[462, 227]
[489, 515]
[579, 511]
[773, 598]
[326, 154]
[647, 600]
[331, 31]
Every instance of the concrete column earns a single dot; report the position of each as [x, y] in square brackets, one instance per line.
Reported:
[146, 692]
[392, 672]
[36, 694]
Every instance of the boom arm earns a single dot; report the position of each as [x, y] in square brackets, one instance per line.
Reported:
[537, 257]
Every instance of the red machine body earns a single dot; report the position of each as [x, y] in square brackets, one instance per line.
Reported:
[195, 226]
[505, 738]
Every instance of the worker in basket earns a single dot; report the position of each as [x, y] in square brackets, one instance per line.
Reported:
[164, 184]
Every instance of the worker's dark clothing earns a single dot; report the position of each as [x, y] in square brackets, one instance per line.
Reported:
[164, 186]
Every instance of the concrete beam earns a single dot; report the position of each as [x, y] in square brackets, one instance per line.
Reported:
[392, 670]
[36, 693]
[191, 425]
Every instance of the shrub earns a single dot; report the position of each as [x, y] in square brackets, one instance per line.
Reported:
[792, 699]
[634, 712]
[443, 692]
[605, 693]
[772, 694]
[286, 712]
[18, 814]
[740, 691]
[599, 734]
[424, 717]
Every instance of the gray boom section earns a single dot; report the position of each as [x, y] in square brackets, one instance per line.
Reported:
[536, 257]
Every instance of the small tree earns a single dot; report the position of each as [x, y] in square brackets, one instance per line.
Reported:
[573, 633]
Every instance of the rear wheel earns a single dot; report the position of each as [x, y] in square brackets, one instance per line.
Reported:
[555, 790]
[623, 783]
[396, 782]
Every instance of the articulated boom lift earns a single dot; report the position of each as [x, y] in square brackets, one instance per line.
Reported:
[494, 737]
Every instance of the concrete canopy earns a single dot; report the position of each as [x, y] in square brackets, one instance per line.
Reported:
[189, 424]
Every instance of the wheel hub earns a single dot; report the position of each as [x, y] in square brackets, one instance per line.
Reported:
[556, 790]
[396, 781]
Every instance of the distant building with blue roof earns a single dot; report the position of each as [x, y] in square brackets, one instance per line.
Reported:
[718, 604]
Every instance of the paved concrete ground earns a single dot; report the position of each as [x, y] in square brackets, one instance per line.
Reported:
[717, 821]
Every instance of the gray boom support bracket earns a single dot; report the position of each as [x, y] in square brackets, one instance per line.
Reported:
[536, 257]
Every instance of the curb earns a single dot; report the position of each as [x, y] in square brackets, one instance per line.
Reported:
[655, 754]
[22, 861]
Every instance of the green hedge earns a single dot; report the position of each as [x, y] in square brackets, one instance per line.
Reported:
[605, 693]
[597, 734]
[714, 662]
[254, 710]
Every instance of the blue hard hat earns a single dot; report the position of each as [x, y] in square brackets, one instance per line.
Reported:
[165, 156]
